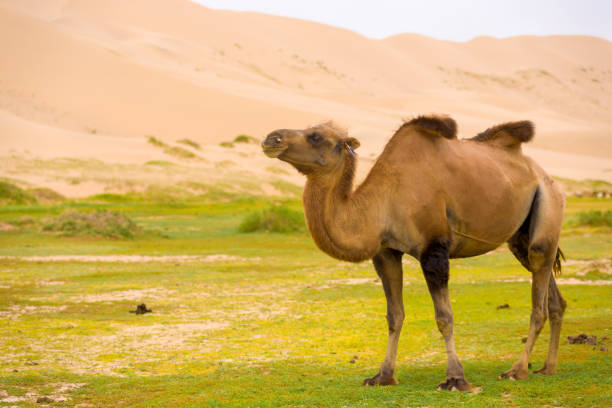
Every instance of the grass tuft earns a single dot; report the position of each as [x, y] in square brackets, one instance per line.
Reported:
[180, 152]
[162, 163]
[156, 142]
[173, 150]
[46, 195]
[274, 219]
[245, 139]
[11, 194]
[109, 224]
[189, 142]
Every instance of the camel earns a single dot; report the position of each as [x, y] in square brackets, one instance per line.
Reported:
[434, 196]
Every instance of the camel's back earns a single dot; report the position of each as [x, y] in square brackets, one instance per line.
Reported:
[476, 189]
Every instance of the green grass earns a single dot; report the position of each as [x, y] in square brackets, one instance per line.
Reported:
[594, 219]
[273, 322]
[274, 219]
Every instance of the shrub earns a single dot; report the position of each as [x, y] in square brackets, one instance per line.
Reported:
[159, 163]
[156, 142]
[245, 139]
[226, 144]
[46, 195]
[595, 219]
[179, 152]
[108, 224]
[273, 219]
[11, 194]
[189, 142]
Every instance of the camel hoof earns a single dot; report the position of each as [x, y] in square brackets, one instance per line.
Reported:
[380, 380]
[545, 370]
[514, 374]
[454, 384]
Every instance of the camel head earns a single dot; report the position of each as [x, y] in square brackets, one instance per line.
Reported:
[319, 149]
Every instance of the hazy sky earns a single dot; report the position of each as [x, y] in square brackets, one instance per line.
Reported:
[458, 20]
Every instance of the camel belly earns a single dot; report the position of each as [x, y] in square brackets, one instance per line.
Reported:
[481, 225]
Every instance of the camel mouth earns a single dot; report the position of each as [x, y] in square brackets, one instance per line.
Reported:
[273, 151]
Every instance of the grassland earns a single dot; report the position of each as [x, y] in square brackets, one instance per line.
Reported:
[266, 320]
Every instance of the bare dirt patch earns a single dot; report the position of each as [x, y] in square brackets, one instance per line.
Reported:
[121, 295]
[16, 311]
[5, 226]
[58, 394]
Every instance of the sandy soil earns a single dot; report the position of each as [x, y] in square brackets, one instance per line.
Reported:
[93, 80]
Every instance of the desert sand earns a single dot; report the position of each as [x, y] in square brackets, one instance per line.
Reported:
[94, 80]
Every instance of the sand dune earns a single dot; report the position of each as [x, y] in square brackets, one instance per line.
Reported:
[87, 79]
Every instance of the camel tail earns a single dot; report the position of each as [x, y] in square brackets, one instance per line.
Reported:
[557, 265]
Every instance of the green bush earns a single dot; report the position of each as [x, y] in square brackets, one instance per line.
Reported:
[156, 142]
[594, 219]
[179, 152]
[245, 139]
[11, 194]
[189, 142]
[46, 196]
[273, 219]
[108, 224]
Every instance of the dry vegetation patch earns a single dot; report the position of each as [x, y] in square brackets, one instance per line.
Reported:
[103, 223]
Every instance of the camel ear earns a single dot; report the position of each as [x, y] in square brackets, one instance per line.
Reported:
[352, 142]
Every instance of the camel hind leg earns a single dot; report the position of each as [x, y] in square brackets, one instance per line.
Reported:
[556, 309]
[535, 245]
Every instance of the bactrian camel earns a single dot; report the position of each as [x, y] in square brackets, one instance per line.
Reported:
[434, 197]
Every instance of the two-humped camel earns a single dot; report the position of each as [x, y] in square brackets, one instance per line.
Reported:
[435, 197]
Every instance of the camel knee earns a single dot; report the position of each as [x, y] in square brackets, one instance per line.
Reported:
[395, 321]
[540, 255]
[556, 310]
[445, 324]
[538, 318]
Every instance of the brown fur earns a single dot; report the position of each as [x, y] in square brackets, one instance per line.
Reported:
[433, 198]
[434, 125]
[508, 134]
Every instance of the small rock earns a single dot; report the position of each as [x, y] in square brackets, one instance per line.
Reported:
[603, 348]
[352, 361]
[355, 357]
[141, 309]
[43, 400]
[504, 306]
[31, 363]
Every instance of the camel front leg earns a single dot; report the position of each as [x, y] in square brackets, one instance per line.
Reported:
[388, 264]
[434, 262]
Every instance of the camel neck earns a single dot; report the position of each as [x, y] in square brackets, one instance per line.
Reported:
[341, 222]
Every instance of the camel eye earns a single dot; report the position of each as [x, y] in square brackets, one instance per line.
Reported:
[314, 138]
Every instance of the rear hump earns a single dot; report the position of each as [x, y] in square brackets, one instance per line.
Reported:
[509, 135]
